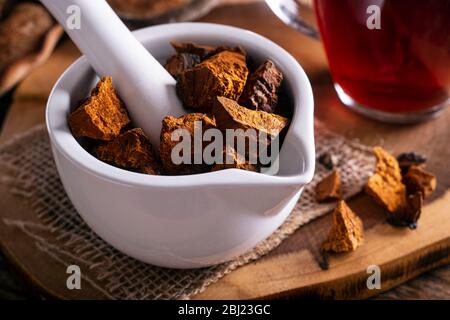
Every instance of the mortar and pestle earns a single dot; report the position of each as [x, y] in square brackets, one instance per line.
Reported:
[185, 221]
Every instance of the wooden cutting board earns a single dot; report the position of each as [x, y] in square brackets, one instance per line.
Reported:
[291, 270]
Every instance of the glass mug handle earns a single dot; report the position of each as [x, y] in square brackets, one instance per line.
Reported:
[289, 11]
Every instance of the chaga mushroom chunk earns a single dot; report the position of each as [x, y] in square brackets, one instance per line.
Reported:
[204, 51]
[170, 138]
[232, 160]
[180, 62]
[409, 215]
[192, 48]
[253, 131]
[190, 54]
[230, 115]
[408, 159]
[130, 150]
[329, 188]
[261, 90]
[347, 231]
[385, 186]
[223, 74]
[417, 179]
[102, 116]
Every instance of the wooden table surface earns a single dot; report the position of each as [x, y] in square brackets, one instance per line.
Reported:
[27, 110]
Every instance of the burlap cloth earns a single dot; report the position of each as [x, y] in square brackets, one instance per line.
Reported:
[59, 231]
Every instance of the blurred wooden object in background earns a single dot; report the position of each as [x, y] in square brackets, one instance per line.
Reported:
[141, 13]
[28, 35]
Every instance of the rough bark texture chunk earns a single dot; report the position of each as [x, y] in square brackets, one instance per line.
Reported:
[102, 115]
[408, 159]
[230, 115]
[347, 231]
[224, 74]
[130, 150]
[238, 50]
[261, 90]
[179, 63]
[385, 186]
[203, 51]
[192, 48]
[187, 122]
[409, 216]
[22, 31]
[190, 54]
[329, 189]
[231, 160]
[254, 131]
[417, 179]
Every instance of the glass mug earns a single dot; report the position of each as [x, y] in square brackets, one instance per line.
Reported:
[389, 59]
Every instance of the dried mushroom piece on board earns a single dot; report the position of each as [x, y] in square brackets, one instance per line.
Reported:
[408, 159]
[408, 216]
[329, 188]
[102, 116]
[223, 74]
[172, 134]
[130, 150]
[400, 185]
[417, 179]
[347, 231]
[385, 186]
[261, 90]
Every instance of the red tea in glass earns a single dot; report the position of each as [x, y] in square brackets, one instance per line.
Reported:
[398, 71]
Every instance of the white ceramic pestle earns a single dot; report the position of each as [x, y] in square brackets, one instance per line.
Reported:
[145, 86]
